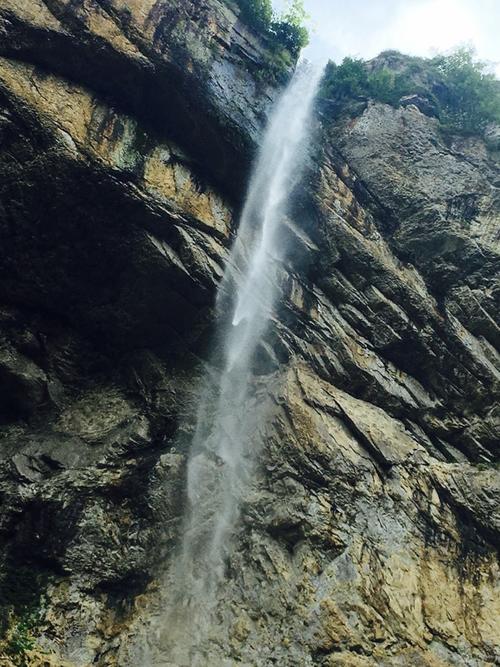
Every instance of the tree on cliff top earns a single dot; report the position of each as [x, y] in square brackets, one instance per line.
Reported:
[286, 31]
[258, 13]
[463, 94]
[290, 30]
[470, 95]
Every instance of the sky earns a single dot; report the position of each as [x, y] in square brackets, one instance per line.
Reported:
[363, 28]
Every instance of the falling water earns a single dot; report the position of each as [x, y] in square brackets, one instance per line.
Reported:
[226, 440]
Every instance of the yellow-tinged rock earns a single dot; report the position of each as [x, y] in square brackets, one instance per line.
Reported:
[34, 12]
[88, 128]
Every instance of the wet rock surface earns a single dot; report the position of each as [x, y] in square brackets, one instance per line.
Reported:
[370, 534]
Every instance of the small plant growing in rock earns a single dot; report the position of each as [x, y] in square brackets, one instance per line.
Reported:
[21, 602]
[21, 639]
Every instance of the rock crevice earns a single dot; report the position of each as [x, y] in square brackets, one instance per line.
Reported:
[369, 535]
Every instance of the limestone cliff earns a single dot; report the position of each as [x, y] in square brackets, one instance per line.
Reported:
[370, 536]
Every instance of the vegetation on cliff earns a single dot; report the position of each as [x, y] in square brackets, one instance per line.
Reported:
[458, 88]
[20, 608]
[470, 95]
[286, 33]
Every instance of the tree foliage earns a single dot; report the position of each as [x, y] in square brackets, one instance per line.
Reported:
[257, 13]
[286, 31]
[290, 30]
[465, 96]
[350, 79]
[470, 96]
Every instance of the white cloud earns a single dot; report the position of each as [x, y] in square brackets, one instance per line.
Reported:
[421, 27]
[436, 25]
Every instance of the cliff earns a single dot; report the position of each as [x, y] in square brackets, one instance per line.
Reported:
[371, 532]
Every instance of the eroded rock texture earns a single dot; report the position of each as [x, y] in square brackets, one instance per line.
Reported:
[370, 534]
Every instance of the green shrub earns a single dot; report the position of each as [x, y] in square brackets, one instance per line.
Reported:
[353, 79]
[470, 96]
[276, 67]
[289, 31]
[21, 639]
[257, 13]
[21, 598]
[350, 79]
[286, 31]
[464, 95]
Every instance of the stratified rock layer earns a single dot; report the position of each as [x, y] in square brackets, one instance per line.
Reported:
[370, 534]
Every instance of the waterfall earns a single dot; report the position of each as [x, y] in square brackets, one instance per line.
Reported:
[226, 440]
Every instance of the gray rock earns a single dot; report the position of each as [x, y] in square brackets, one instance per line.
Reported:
[370, 531]
[24, 384]
[492, 137]
[423, 104]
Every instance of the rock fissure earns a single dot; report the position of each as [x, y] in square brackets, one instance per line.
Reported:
[370, 532]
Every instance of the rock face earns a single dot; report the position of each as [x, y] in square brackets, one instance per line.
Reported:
[370, 534]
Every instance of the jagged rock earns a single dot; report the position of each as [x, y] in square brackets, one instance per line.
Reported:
[185, 65]
[422, 103]
[370, 533]
[492, 137]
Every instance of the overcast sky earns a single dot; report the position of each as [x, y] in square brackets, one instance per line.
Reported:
[363, 28]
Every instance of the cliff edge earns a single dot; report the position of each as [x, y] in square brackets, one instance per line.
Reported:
[370, 535]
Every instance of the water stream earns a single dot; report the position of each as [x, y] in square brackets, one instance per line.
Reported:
[227, 438]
